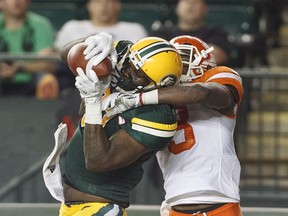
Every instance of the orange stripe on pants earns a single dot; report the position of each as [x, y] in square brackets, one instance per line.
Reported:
[230, 209]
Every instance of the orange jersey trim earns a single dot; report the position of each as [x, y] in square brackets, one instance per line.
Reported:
[229, 209]
[225, 76]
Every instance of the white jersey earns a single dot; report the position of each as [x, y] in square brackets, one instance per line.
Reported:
[200, 165]
[75, 29]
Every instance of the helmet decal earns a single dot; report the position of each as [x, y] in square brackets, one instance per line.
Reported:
[169, 80]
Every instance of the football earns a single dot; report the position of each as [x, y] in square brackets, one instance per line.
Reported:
[75, 59]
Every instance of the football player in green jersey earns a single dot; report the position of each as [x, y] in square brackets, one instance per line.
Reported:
[105, 155]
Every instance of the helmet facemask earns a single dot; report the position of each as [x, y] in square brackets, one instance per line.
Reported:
[131, 78]
[138, 63]
[197, 56]
[192, 58]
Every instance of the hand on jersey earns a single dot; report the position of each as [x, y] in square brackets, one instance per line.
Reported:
[119, 102]
[100, 46]
[90, 87]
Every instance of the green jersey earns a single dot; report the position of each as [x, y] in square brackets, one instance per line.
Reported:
[153, 126]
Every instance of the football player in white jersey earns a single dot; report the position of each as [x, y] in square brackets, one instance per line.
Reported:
[200, 167]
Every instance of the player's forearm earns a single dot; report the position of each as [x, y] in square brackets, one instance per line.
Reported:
[210, 94]
[180, 95]
[96, 144]
[177, 96]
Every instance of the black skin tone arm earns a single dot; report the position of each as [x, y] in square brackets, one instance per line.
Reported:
[104, 155]
[212, 95]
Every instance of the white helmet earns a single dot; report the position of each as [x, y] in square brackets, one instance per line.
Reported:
[196, 56]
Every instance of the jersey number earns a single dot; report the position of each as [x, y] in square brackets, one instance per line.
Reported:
[189, 142]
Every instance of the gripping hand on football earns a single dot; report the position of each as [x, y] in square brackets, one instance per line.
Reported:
[102, 46]
[91, 90]
[119, 102]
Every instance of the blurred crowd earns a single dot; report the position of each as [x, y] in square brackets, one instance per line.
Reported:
[24, 32]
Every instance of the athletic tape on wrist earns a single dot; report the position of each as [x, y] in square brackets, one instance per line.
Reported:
[93, 113]
[150, 97]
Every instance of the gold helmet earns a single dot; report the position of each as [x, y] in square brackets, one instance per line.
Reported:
[158, 60]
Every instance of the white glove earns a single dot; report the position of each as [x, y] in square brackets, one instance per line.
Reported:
[88, 87]
[91, 90]
[118, 102]
[100, 45]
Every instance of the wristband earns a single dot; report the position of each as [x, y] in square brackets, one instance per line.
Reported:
[93, 113]
[150, 97]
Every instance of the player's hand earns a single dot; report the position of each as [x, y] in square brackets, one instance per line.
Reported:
[119, 102]
[100, 45]
[89, 86]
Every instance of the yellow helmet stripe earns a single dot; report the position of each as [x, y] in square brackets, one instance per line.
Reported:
[153, 128]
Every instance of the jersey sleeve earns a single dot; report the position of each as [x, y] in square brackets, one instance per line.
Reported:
[228, 77]
[153, 126]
